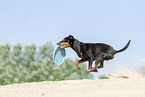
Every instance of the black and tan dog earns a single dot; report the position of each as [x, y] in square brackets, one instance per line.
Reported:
[97, 52]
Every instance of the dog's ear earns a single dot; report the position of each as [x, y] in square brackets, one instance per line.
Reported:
[71, 37]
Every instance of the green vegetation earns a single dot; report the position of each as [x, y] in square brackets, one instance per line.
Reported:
[20, 64]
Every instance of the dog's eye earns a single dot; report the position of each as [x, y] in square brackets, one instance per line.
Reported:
[66, 40]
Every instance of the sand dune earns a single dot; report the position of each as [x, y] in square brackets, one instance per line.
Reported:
[77, 88]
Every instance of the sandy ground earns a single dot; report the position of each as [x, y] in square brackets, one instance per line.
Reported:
[77, 88]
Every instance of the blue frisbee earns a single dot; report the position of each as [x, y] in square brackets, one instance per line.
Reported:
[58, 55]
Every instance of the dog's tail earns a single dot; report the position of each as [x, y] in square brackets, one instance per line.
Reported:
[124, 47]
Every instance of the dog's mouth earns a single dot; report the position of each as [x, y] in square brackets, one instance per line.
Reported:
[64, 44]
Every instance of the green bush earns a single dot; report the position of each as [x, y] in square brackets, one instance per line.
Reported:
[29, 63]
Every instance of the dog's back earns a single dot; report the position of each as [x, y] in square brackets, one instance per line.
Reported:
[93, 49]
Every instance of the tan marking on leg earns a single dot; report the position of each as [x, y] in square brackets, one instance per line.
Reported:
[90, 67]
[76, 64]
[114, 55]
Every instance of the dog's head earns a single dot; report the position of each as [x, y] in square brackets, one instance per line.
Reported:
[66, 42]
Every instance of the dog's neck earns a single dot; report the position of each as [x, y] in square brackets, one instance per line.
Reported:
[77, 48]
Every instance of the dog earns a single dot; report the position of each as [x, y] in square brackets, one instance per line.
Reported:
[90, 52]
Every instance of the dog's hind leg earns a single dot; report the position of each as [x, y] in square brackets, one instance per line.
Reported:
[105, 56]
[94, 69]
[78, 62]
[98, 60]
[108, 56]
[101, 58]
[101, 64]
[90, 63]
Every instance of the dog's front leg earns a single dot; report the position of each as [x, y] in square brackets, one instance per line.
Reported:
[90, 64]
[78, 62]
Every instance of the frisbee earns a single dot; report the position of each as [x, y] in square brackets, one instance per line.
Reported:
[58, 55]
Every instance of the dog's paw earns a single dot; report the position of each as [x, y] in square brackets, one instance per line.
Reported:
[86, 71]
[78, 68]
[94, 70]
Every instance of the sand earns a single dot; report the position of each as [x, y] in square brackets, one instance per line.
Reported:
[77, 88]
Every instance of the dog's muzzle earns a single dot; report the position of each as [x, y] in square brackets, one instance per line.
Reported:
[64, 44]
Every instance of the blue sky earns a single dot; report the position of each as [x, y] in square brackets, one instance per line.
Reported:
[107, 21]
